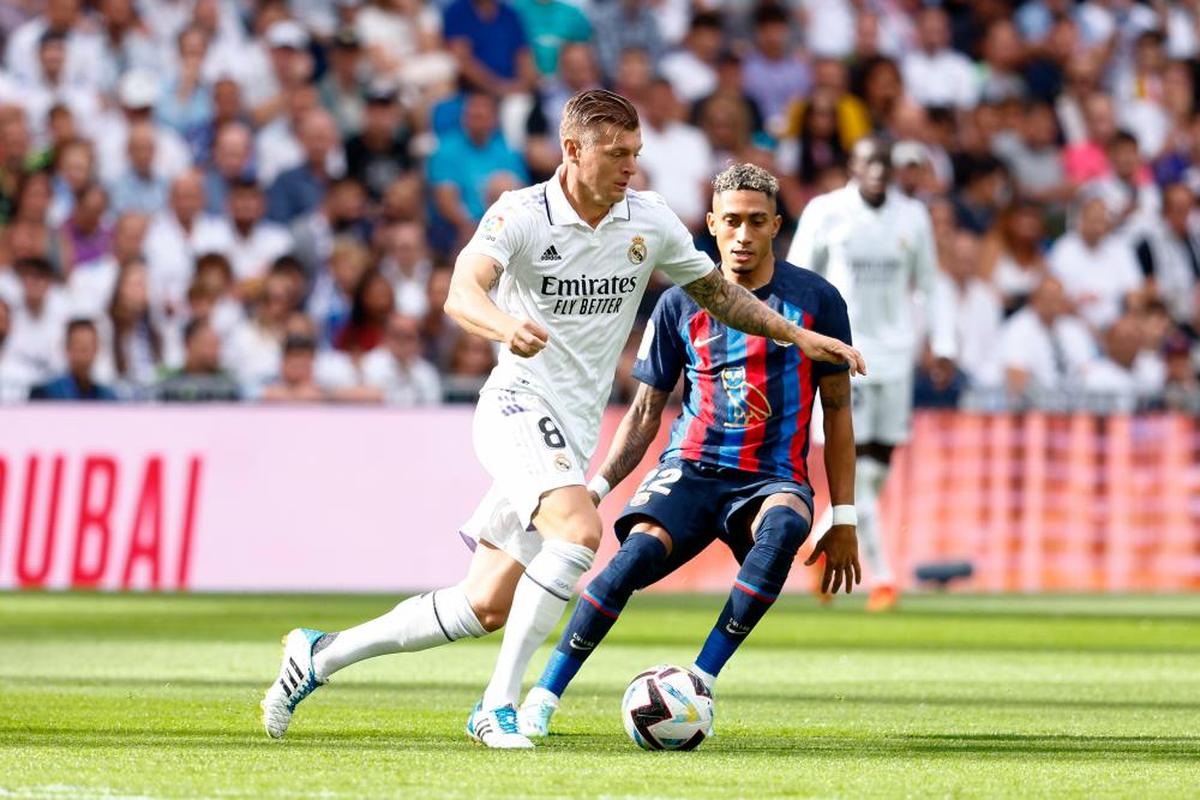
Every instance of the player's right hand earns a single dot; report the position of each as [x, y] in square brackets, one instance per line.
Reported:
[819, 347]
[840, 547]
[526, 338]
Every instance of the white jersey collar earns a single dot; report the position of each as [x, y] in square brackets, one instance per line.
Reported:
[560, 211]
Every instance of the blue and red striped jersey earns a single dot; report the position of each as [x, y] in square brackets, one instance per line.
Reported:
[747, 400]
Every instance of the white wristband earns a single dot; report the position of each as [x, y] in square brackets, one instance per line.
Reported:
[845, 515]
[598, 485]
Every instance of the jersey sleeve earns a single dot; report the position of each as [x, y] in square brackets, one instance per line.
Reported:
[660, 356]
[503, 231]
[680, 260]
[807, 250]
[833, 320]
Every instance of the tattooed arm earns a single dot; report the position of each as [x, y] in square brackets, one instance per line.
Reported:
[741, 310]
[469, 305]
[635, 433]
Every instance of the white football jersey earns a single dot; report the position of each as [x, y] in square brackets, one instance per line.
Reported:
[875, 257]
[583, 285]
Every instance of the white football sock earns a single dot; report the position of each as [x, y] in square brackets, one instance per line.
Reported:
[538, 604]
[869, 478]
[709, 680]
[420, 622]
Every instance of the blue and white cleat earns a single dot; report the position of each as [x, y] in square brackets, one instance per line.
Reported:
[533, 718]
[497, 728]
[296, 681]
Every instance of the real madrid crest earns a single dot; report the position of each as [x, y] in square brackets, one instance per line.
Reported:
[637, 250]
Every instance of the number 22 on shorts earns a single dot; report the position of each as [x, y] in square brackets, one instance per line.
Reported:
[657, 480]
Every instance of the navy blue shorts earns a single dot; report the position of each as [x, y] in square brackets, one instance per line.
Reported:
[698, 503]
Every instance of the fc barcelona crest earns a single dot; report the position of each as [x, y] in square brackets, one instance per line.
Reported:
[637, 250]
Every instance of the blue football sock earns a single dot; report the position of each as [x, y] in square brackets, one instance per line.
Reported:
[636, 565]
[758, 583]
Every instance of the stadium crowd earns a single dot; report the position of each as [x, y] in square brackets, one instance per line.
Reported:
[258, 199]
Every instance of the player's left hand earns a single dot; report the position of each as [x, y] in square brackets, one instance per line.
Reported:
[819, 347]
[840, 548]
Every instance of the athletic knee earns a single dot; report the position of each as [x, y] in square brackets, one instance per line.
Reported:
[490, 611]
[585, 530]
[782, 528]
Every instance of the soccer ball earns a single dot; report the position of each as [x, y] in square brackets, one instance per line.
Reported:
[667, 708]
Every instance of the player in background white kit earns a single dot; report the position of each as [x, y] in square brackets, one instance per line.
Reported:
[569, 260]
[876, 246]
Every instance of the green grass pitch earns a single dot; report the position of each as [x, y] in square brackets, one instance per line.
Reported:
[955, 696]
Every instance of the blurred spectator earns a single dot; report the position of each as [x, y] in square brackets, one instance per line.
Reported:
[817, 146]
[1043, 348]
[729, 129]
[1127, 375]
[14, 384]
[140, 189]
[406, 265]
[74, 169]
[396, 368]
[131, 345]
[77, 383]
[934, 74]
[774, 72]
[1182, 390]
[374, 301]
[1169, 252]
[982, 192]
[185, 103]
[577, 72]
[252, 352]
[438, 330]
[1033, 157]
[179, 234]
[832, 27]
[90, 284]
[1087, 159]
[471, 361]
[212, 298]
[676, 157]
[635, 73]
[87, 234]
[464, 162]
[913, 169]
[301, 189]
[277, 146]
[380, 153]
[728, 87]
[255, 242]
[126, 42]
[692, 69]
[550, 24]
[296, 382]
[342, 215]
[1097, 268]
[61, 18]
[34, 346]
[1012, 259]
[404, 42]
[999, 72]
[1128, 190]
[881, 90]
[137, 94]
[333, 370]
[490, 45]
[55, 88]
[621, 26]
[975, 308]
[341, 87]
[200, 379]
[232, 162]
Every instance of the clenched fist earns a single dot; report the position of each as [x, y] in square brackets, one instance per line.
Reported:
[526, 338]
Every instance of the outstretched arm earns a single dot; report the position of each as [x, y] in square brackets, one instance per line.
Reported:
[840, 544]
[740, 309]
[635, 433]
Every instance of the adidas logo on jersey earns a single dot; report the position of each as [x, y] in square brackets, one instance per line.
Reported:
[550, 255]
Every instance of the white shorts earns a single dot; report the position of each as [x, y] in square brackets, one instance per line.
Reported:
[882, 411]
[525, 449]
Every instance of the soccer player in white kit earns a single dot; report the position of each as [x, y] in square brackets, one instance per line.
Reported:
[876, 246]
[569, 260]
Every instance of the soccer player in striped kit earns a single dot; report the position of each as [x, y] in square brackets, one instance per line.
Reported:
[735, 468]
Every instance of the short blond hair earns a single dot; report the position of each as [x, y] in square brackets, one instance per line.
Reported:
[592, 113]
